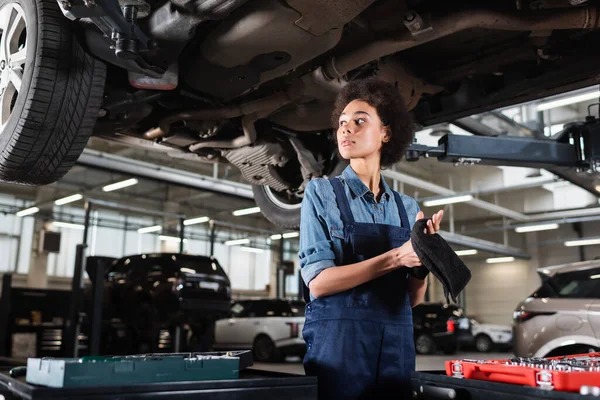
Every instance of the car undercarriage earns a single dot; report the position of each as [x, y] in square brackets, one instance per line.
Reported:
[252, 83]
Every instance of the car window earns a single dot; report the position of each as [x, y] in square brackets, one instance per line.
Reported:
[239, 310]
[199, 265]
[576, 284]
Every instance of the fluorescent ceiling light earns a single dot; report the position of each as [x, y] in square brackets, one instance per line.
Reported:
[27, 211]
[568, 100]
[252, 249]
[236, 242]
[448, 200]
[68, 199]
[597, 188]
[595, 276]
[276, 237]
[120, 185]
[535, 228]
[149, 229]
[171, 239]
[499, 260]
[291, 235]
[582, 242]
[246, 211]
[68, 225]
[198, 220]
[466, 252]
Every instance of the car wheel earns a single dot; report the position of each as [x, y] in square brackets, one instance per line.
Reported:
[277, 207]
[483, 343]
[425, 344]
[50, 92]
[264, 349]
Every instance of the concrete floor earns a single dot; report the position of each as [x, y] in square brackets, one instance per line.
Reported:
[424, 363]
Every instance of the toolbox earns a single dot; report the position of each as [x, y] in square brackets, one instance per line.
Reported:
[579, 373]
[136, 369]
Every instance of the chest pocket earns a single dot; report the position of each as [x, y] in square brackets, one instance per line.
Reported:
[370, 240]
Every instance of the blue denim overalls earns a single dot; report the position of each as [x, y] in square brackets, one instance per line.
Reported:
[360, 342]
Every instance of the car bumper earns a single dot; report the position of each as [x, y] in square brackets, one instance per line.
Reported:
[211, 306]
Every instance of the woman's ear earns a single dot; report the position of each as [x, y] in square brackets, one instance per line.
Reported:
[387, 134]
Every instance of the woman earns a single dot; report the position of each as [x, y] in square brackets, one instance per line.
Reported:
[356, 256]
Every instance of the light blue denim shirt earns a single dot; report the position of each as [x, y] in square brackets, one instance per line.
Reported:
[321, 228]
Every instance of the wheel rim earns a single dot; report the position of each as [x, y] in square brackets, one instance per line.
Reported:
[483, 344]
[423, 345]
[13, 52]
[276, 199]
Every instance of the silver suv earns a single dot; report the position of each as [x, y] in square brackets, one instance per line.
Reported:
[563, 316]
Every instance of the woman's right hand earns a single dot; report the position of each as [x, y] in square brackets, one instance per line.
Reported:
[404, 256]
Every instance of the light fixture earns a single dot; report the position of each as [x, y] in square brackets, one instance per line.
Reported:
[448, 200]
[171, 239]
[68, 225]
[582, 242]
[198, 220]
[499, 260]
[149, 229]
[597, 188]
[568, 100]
[252, 249]
[120, 185]
[27, 211]
[536, 228]
[246, 211]
[276, 237]
[68, 199]
[291, 235]
[236, 242]
[471, 252]
[595, 276]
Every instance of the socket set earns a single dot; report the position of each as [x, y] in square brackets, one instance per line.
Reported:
[576, 373]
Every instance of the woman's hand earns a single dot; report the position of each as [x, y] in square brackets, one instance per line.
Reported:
[404, 256]
[433, 225]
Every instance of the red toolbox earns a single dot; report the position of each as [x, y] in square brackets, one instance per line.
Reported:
[576, 373]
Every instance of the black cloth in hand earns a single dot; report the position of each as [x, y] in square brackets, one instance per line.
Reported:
[438, 257]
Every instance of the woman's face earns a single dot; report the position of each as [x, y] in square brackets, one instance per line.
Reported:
[360, 132]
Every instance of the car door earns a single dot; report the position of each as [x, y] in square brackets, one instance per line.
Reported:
[227, 329]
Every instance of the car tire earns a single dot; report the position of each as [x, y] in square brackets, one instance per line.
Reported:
[277, 208]
[424, 344]
[51, 91]
[483, 343]
[281, 210]
[264, 350]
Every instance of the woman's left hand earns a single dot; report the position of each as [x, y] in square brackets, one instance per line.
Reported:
[433, 225]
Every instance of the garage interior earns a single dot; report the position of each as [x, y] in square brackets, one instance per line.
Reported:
[521, 213]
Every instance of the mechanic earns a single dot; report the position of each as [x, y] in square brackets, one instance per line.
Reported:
[356, 256]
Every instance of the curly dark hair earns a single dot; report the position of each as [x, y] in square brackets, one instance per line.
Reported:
[392, 111]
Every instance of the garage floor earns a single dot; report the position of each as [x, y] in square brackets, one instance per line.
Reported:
[424, 363]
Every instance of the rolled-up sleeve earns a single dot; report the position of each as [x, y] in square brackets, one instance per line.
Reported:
[316, 247]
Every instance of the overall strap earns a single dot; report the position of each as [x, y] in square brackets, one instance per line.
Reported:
[402, 211]
[342, 201]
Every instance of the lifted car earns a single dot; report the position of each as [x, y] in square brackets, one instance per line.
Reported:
[252, 83]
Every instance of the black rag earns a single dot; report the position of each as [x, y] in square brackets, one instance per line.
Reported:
[438, 258]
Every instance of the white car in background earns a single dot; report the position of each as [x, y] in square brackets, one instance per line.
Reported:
[484, 337]
[271, 328]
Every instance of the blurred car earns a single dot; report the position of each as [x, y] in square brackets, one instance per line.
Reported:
[563, 315]
[435, 327]
[483, 337]
[148, 296]
[272, 328]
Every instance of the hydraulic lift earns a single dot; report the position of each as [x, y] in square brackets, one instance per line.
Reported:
[573, 154]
